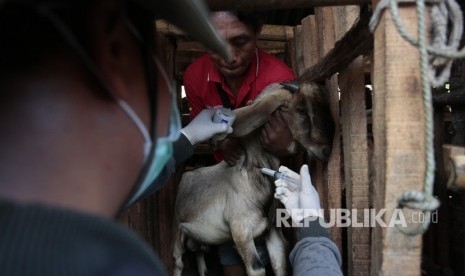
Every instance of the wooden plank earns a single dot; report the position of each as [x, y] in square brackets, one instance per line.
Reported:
[293, 54]
[164, 205]
[326, 40]
[398, 127]
[268, 32]
[190, 46]
[276, 32]
[357, 41]
[309, 41]
[277, 4]
[298, 50]
[268, 46]
[272, 47]
[354, 137]
[305, 39]
[345, 17]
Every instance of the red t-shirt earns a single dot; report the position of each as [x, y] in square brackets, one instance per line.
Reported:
[201, 78]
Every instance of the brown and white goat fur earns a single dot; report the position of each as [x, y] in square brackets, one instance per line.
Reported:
[219, 203]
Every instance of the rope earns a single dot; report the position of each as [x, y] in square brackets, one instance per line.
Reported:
[444, 48]
[435, 65]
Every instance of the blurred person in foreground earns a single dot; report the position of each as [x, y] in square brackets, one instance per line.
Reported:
[89, 126]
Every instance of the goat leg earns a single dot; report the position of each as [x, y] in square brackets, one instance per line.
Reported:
[178, 250]
[245, 245]
[276, 245]
[201, 266]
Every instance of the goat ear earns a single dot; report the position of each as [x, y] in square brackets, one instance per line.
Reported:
[251, 117]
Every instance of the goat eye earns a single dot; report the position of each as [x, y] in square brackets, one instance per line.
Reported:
[302, 112]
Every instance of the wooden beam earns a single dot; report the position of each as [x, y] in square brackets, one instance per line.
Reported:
[277, 4]
[190, 46]
[357, 41]
[162, 203]
[268, 32]
[168, 29]
[398, 128]
[268, 46]
[276, 33]
[272, 47]
[309, 41]
[299, 58]
[333, 180]
[292, 51]
[355, 150]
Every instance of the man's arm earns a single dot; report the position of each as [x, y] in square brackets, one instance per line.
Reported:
[314, 253]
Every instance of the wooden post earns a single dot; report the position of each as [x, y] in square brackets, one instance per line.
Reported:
[309, 43]
[293, 54]
[311, 55]
[299, 59]
[398, 126]
[326, 41]
[354, 137]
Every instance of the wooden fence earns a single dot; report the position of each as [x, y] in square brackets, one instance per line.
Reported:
[374, 159]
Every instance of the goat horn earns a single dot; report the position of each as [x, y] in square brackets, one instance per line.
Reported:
[291, 86]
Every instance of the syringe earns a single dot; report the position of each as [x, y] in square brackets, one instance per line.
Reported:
[282, 175]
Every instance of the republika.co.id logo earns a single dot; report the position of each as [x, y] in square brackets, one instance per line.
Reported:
[353, 217]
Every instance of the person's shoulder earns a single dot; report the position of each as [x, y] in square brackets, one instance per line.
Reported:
[198, 66]
[273, 69]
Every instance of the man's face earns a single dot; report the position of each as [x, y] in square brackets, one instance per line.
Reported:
[242, 41]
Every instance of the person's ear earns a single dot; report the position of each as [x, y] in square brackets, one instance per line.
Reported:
[114, 49]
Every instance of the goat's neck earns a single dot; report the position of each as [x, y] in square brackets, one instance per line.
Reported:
[256, 155]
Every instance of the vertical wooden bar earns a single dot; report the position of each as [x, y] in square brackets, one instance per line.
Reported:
[354, 137]
[164, 202]
[305, 39]
[326, 34]
[290, 50]
[309, 53]
[298, 50]
[164, 199]
[398, 126]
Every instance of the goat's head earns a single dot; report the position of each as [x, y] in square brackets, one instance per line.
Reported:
[305, 109]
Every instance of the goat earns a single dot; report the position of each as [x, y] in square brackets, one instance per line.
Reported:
[219, 203]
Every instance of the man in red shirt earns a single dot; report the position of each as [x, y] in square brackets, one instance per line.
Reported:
[240, 80]
[211, 82]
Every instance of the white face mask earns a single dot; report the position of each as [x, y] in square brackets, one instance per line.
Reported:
[155, 158]
[164, 148]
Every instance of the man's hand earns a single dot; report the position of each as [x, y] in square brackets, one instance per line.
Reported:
[232, 151]
[203, 128]
[276, 136]
[299, 201]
